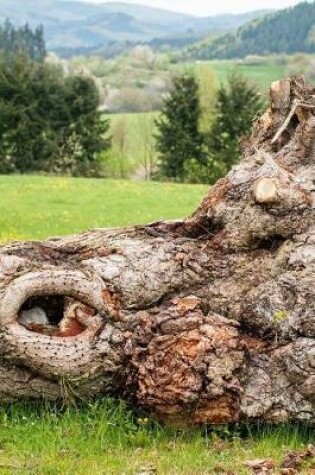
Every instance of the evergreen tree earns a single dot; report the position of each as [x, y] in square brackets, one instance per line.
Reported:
[85, 135]
[178, 137]
[22, 41]
[237, 106]
[49, 122]
[40, 44]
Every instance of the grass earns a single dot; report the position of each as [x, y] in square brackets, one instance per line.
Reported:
[262, 74]
[33, 207]
[105, 437]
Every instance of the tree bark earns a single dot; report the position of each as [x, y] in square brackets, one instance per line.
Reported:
[206, 320]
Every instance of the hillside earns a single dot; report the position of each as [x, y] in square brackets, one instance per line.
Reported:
[78, 26]
[291, 30]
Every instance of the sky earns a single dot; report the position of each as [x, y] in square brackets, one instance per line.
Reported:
[214, 7]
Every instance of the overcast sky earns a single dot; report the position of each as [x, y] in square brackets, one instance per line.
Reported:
[208, 7]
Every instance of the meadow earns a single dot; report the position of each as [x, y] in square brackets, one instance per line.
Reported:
[35, 207]
[106, 437]
[262, 73]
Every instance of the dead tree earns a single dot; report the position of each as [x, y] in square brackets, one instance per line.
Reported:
[206, 320]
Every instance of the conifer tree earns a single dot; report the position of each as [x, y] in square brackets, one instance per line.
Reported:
[238, 104]
[178, 137]
[49, 121]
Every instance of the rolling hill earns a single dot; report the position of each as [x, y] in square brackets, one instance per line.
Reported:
[74, 25]
[291, 30]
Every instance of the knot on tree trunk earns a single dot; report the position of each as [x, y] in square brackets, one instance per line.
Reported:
[206, 320]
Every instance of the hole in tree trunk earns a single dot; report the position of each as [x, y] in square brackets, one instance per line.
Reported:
[294, 123]
[271, 243]
[55, 315]
[52, 306]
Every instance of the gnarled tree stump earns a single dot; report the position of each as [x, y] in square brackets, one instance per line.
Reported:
[206, 320]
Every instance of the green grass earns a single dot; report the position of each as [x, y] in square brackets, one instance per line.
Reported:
[105, 438]
[33, 207]
[262, 74]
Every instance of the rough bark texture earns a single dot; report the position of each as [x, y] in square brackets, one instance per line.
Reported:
[206, 320]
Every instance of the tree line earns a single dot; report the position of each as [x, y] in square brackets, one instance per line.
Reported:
[288, 31]
[22, 40]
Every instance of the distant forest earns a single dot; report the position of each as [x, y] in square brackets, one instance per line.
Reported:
[288, 31]
[22, 40]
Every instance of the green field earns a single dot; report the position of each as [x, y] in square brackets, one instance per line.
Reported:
[262, 74]
[105, 438]
[37, 207]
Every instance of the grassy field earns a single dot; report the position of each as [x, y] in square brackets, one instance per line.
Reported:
[105, 438]
[36, 207]
[262, 74]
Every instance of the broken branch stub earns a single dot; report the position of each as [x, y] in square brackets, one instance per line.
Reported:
[206, 320]
[266, 190]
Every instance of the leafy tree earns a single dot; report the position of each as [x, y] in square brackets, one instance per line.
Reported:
[120, 143]
[238, 103]
[148, 158]
[178, 137]
[207, 94]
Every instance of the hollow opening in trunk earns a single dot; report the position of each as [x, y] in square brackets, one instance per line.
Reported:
[55, 315]
[290, 130]
[294, 123]
[203, 228]
[270, 243]
[45, 310]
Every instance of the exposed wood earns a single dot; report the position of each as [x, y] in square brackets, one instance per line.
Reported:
[206, 320]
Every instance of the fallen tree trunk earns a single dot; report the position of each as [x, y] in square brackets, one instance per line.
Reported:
[206, 320]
